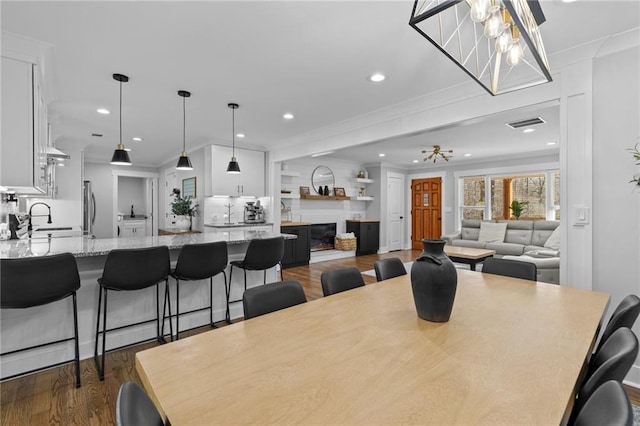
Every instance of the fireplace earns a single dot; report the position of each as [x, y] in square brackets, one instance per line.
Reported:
[322, 236]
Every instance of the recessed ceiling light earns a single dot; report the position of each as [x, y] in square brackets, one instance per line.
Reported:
[416, 161]
[381, 155]
[127, 149]
[552, 143]
[103, 111]
[137, 139]
[377, 77]
[468, 154]
[320, 154]
[240, 135]
[529, 130]
[288, 116]
[568, 1]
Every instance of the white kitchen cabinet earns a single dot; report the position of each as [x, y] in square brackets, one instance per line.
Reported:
[250, 182]
[23, 152]
[133, 228]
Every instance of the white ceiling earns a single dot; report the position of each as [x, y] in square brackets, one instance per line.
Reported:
[311, 58]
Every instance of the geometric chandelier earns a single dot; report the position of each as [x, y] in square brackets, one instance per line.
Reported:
[496, 42]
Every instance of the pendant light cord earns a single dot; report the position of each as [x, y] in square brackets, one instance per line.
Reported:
[233, 129]
[120, 112]
[184, 124]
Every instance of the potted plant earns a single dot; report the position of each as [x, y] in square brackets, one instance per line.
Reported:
[517, 207]
[636, 155]
[184, 211]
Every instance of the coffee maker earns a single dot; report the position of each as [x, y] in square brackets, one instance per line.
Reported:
[253, 212]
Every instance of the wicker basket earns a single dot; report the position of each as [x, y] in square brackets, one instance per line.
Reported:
[346, 243]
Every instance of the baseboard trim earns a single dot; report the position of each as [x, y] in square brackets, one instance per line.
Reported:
[633, 378]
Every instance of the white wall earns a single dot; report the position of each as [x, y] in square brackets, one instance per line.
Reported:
[326, 211]
[616, 207]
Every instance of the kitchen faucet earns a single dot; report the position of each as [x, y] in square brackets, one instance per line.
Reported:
[29, 228]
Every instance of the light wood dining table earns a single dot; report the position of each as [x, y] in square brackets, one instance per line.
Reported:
[512, 353]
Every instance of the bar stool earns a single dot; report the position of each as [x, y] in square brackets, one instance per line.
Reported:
[36, 281]
[197, 262]
[128, 270]
[262, 254]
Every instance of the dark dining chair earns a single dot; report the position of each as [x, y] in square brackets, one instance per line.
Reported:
[340, 280]
[36, 281]
[130, 270]
[389, 268]
[609, 405]
[625, 315]
[510, 268]
[135, 408]
[612, 362]
[272, 297]
[198, 262]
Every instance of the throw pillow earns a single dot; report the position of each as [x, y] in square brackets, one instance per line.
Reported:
[553, 242]
[492, 232]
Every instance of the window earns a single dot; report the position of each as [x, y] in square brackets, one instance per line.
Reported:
[474, 196]
[538, 194]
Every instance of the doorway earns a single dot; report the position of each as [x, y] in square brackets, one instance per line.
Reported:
[395, 212]
[426, 210]
[147, 194]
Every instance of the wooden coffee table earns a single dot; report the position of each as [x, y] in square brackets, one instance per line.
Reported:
[467, 255]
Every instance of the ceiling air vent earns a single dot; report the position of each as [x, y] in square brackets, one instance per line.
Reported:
[525, 123]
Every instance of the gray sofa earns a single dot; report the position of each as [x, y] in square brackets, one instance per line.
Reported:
[521, 236]
[524, 240]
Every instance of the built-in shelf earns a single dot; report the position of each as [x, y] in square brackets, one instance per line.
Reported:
[366, 198]
[323, 197]
[292, 196]
[289, 173]
[363, 180]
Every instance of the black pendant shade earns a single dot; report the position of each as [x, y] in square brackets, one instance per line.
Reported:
[183, 162]
[120, 156]
[233, 167]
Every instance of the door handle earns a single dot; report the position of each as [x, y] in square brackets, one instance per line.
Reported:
[401, 217]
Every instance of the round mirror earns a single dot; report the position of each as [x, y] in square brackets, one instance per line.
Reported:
[322, 176]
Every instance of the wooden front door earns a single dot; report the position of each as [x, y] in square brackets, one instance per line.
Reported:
[426, 210]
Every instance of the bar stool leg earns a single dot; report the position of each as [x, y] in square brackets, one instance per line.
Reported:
[229, 293]
[177, 309]
[264, 280]
[227, 290]
[95, 349]
[281, 276]
[75, 338]
[211, 302]
[167, 299]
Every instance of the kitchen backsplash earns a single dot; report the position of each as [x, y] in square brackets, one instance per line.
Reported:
[216, 211]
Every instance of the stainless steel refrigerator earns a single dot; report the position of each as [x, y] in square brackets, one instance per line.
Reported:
[88, 210]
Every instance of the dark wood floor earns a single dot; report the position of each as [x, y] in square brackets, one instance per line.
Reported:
[50, 397]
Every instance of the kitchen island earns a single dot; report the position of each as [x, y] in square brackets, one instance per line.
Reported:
[23, 327]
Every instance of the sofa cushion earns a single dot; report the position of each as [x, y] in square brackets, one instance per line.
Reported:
[492, 232]
[468, 243]
[470, 229]
[506, 248]
[553, 242]
[518, 231]
[542, 229]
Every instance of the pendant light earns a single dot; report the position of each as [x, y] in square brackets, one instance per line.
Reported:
[120, 156]
[183, 162]
[234, 167]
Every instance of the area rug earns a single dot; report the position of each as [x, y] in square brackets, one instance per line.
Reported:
[407, 266]
[636, 415]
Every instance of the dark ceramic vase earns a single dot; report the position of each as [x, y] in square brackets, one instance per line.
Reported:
[326, 190]
[434, 281]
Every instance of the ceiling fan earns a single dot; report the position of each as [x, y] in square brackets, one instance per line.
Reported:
[436, 153]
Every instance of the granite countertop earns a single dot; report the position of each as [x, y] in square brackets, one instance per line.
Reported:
[237, 225]
[363, 220]
[86, 247]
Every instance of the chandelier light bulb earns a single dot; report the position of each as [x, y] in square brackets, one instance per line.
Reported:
[480, 10]
[493, 26]
[504, 40]
[515, 55]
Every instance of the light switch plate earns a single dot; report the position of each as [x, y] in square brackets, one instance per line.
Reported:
[581, 215]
